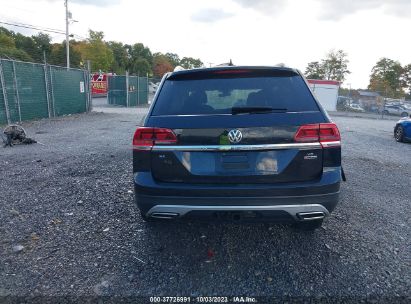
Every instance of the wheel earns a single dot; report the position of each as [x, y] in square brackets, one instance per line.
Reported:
[399, 134]
[309, 225]
[385, 112]
[404, 114]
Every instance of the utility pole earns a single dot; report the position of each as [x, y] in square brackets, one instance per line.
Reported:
[67, 35]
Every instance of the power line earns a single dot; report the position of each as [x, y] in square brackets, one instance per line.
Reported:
[33, 27]
[44, 29]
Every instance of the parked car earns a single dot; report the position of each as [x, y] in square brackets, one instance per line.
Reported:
[396, 110]
[402, 130]
[354, 107]
[237, 143]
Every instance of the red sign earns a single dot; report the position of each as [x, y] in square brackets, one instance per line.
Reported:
[99, 84]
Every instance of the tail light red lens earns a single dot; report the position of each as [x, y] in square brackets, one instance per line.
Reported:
[325, 133]
[145, 138]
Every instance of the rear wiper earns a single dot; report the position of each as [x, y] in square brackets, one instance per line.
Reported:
[239, 110]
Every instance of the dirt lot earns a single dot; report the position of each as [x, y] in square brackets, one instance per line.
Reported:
[69, 226]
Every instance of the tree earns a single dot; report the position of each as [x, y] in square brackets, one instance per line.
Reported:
[140, 66]
[333, 67]
[314, 70]
[28, 45]
[6, 41]
[120, 54]
[173, 58]
[8, 47]
[191, 63]
[406, 77]
[161, 65]
[58, 55]
[43, 45]
[96, 50]
[387, 78]
[138, 50]
[13, 53]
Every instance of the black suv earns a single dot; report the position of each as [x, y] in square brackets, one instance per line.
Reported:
[237, 143]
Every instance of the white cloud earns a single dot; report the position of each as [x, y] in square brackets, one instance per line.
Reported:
[267, 7]
[336, 9]
[256, 32]
[210, 15]
[92, 2]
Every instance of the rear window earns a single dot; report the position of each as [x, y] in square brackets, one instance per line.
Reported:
[220, 95]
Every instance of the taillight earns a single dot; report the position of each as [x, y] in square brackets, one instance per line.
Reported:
[145, 138]
[325, 133]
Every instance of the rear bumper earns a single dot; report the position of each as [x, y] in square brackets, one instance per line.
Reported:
[283, 201]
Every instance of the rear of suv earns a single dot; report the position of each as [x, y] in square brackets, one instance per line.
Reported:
[237, 143]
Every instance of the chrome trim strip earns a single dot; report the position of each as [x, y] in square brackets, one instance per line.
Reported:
[145, 148]
[330, 144]
[299, 146]
[292, 210]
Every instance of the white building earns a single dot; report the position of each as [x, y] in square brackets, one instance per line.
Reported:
[326, 92]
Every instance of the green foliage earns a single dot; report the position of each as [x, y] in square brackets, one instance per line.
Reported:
[191, 63]
[6, 41]
[333, 67]
[109, 56]
[58, 55]
[406, 77]
[161, 65]
[140, 66]
[314, 70]
[12, 53]
[387, 77]
[120, 54]
[173, 58]
[97, 51]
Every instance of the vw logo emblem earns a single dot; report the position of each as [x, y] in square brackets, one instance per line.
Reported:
[235, 136]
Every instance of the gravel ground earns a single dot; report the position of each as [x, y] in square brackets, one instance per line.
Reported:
[69, 226]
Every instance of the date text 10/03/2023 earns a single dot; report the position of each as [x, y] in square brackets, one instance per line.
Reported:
[203, 299]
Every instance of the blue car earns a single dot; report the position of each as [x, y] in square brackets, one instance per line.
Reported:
[402, 130]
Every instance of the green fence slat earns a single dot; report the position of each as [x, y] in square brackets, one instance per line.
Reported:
[132, 91]
[31, 91]
[3, 117]
[143, 90]
[117, 94]
[137, 90]
[69, 91]
[35, 90]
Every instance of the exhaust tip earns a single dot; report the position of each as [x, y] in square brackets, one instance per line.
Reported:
[164, 215]
[310, 216]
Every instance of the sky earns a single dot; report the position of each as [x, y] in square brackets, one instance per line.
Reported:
[250, 32]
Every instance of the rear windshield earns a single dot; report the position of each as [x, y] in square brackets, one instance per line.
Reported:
[220, 95]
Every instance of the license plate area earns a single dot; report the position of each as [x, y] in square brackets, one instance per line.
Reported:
[233, 161]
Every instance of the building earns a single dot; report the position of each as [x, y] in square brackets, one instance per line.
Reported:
[326, 92]
[369, 100]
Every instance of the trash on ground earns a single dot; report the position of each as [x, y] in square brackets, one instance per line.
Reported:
[15, 135]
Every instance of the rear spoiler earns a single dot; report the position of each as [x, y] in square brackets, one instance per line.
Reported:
[232, 72]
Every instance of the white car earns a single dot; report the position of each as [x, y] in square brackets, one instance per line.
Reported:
[396, 110]
[355, 108]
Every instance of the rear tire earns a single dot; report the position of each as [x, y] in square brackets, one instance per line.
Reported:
[404, 114]
[399, 134]
[308, 225]
[385, 112]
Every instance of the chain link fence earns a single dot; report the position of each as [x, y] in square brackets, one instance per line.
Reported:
[33, 91]
[128, 91]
